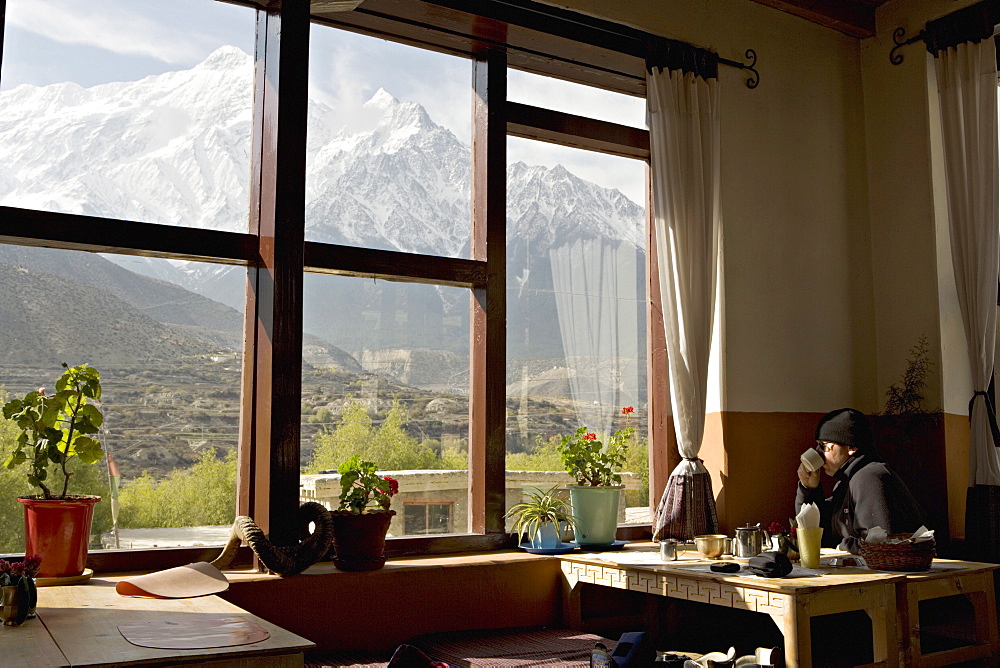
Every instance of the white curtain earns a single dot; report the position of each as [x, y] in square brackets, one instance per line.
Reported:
[598, 307]
[684, 127]
[967, 87]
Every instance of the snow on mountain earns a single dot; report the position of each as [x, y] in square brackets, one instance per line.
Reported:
[175, 149]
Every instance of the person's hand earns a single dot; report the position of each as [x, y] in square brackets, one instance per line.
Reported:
[808, 478]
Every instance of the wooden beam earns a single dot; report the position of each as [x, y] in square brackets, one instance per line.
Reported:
[270, 416]
[550, 41]
[576, 131]
[488, 345]
[393, 265]
[25, 227]
[851, 17]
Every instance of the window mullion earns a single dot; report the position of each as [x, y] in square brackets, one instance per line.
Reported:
[488, 347]
[270, 420]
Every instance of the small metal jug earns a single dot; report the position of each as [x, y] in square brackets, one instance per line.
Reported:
[750, 541]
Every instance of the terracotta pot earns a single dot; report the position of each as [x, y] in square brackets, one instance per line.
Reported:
[59, 531]
[359, 539]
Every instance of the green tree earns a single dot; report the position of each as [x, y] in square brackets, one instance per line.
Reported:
[543, 456]
[202, 495]
[388, 444]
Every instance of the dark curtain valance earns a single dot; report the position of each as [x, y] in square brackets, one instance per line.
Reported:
[971, 24]
[669, 54]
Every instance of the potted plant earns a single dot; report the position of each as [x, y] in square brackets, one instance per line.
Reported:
[541, 518]
[783, 539]
[54, 428]
[361, 522]
[596, 495]
[18, 594]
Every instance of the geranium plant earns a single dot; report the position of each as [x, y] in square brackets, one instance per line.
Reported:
[588, 460]
[57, 427]
[362, 489]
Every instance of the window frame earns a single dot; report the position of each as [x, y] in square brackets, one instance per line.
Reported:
[569, 46]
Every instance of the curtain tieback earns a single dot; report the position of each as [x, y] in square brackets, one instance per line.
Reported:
[991, 413]
[691, 459]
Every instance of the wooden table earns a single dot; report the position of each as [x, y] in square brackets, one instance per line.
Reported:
[790, 602]
[949, 578]
[78, 626]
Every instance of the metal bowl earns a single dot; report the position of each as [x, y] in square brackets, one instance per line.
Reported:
[711, 545]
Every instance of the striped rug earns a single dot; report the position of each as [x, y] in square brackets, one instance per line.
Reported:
[500, 648]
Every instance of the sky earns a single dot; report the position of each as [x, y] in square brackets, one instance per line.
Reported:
[53, 41]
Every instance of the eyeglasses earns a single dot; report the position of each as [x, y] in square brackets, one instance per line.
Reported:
[823, 446]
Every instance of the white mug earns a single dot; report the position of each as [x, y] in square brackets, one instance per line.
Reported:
[812, 460]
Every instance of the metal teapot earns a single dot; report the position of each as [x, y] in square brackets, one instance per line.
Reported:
[750, 541]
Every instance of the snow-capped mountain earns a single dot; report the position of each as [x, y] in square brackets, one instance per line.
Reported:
[175, 149]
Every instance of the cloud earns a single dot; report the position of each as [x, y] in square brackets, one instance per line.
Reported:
[124, 27]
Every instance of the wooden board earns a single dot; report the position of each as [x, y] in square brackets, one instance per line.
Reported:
[29, 645]
[83, 621]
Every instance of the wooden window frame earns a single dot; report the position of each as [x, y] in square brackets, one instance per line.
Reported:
[277, 256]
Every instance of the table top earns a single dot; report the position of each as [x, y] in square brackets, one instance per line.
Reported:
[82, 624]
[644, 557]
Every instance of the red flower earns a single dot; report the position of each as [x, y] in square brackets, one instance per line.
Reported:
[627, 410]
[393, 485]
[590, 436]
[32, 563]
[775, 528]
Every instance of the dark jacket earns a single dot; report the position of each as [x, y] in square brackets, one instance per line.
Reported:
[866, 494]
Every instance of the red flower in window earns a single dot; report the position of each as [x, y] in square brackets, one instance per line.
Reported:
[590, 436]
[627, 410]
[393, 485]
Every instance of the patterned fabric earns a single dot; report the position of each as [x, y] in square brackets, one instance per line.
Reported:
[512, 647]
[686, 509]
[982, 523]
[345, 660]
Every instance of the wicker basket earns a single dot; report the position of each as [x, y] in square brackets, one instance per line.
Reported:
[898, 556]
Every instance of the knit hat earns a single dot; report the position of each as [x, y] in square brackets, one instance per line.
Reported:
[846, 426]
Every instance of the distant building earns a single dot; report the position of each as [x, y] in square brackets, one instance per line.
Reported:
[432, 502]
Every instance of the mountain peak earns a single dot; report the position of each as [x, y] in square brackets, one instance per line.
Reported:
[381, 99]
[225, 58]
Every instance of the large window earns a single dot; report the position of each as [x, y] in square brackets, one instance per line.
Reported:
[270, 252]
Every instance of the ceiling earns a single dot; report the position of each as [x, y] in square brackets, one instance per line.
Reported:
[851, 17]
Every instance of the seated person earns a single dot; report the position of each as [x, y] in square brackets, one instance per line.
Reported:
[866, 493]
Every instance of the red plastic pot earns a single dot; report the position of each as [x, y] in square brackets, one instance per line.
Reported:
[59, 531]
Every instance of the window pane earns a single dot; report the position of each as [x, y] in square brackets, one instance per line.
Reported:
[117, 109]
[574, 98]
[576, 335]
[169, 361]
[386, 376]
[388, 163]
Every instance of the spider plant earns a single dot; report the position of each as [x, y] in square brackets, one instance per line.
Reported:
[530, 516]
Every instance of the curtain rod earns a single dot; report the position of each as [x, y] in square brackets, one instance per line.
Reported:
[750, 55]
[578, 27]
[973, 23]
